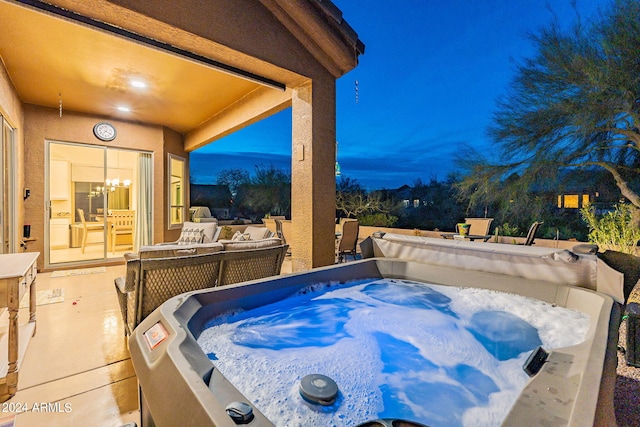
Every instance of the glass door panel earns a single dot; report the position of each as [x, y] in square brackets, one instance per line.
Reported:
[92, 203]
[76, 198]
[121, 207]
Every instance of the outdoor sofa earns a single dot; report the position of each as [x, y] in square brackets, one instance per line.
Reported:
[159, 272]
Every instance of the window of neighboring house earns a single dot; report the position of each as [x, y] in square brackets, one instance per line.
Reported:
[405, 203]
[416, 203]
[573, 201]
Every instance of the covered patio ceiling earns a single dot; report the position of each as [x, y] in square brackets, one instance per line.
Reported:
[58, 62]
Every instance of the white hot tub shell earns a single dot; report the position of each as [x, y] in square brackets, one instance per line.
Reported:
[181, 386]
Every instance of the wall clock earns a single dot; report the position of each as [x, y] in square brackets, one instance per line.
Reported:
[104, 131]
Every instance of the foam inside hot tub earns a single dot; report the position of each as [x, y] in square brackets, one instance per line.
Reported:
[438, 355]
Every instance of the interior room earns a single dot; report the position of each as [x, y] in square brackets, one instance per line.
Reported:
[81, 190]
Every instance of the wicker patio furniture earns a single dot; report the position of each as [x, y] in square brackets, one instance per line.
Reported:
[156, 275]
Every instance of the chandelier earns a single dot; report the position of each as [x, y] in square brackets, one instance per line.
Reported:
[109, 186]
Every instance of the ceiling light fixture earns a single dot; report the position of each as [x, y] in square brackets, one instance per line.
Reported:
[124, 109]
[139, 84]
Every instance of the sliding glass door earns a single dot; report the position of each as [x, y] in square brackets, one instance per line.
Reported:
[93, 199]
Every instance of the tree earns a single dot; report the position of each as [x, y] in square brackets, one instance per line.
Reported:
[348, 185]
[354, 202]
[233, 178]
[576, 104]
[268, 192]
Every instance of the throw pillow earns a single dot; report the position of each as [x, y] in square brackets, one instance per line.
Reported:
[257, 233]
[241, 237]
[208, 228]
[189, 236]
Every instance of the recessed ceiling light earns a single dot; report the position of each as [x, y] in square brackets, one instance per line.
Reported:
[138, 83]
[124, 109]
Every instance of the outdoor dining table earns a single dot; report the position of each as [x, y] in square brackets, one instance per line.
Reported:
[471, 237]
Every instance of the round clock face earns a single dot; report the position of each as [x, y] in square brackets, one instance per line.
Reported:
[104, 131]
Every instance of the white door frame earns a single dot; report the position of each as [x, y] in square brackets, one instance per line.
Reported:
[8, 179]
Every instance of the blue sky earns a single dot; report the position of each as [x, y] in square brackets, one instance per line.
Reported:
[427, 85]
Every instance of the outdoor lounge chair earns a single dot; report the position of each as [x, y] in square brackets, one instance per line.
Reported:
[479, 226]
[348, 240]
[531, 235]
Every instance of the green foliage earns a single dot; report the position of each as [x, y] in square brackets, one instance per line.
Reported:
[613, 230]
[378, 220]
[508, 230]
[438, 208]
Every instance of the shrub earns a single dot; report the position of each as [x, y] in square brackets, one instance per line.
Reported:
[613, 230]
[378, 220]
[508, 230]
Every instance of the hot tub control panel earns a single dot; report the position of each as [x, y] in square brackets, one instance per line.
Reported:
[155, 335]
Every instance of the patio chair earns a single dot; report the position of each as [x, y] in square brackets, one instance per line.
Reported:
[89, 227]
[479, 226]
[531, 235]
[280, 233]
[348, 240]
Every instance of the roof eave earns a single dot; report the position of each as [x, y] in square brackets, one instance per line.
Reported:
[319, 26]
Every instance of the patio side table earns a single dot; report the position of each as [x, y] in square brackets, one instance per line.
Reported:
[17, 276]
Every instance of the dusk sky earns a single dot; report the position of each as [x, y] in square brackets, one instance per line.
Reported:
[426, 85]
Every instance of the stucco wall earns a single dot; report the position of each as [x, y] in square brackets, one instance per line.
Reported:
[43, 124]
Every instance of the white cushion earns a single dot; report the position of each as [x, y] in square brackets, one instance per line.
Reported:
[231, 245]
[209, 229]
[163, 251]
[257, 233]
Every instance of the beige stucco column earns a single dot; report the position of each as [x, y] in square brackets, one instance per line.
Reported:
[313, 186]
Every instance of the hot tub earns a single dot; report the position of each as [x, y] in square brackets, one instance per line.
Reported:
[180, 385]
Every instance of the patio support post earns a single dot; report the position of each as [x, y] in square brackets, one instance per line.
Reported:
[313, 198]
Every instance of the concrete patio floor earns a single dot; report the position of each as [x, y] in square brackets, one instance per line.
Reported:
[79, 360]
